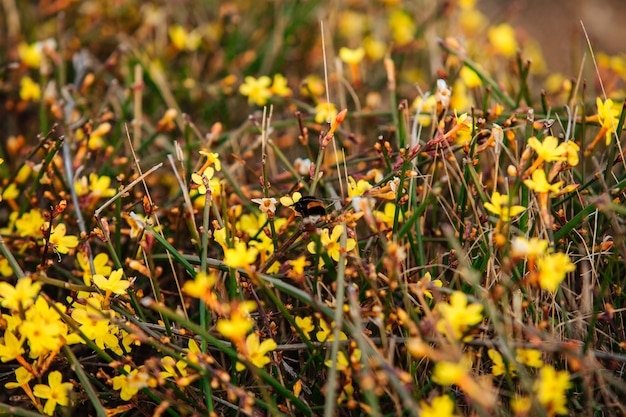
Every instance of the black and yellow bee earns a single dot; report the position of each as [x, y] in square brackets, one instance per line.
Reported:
[309, 206]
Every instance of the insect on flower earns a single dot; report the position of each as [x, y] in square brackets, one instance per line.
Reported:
[309, 206]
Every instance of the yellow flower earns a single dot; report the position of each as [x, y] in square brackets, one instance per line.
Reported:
[256, 89]
[312, 86]
[212, 158]
[130, 384]
[548, 150]
[21, 296]
[100, 265]
[442, 406]
[608, 117]
[498, 367]
[427, 282]
[331, 243]
[201, 287]
[97, 186]
[502, 38]
[239, 324]
[43, 328]
[173, 368]
[351, 56]
[452, 373]
[458, 316]
[181, 39]
[521, 405]
[552, 270]
[256, 351]
[56, 392]
[532, 249]
[342, 361]
[325, 334]
[280, 87]
[374, 49]
[199, 181]
[500, 206]
[550, 389]
[529, 357]
[540, 184]
[114, 284]
[11, 346]
[470, 78]
[305, 324]
[240, 256]
[60, 242]
[30, 55]
[22, 376]
[29, 90]
[402, 27]
[571, 152]
[325, 112]
[357, 188]
[298, 265]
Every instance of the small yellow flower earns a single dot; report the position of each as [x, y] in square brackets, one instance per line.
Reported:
[325, 334]
[452, 373]
[548, 150]
[342, 361]
[256, 351]
[608, 117]
[374, 49]
[357, 188]
[457, 316]
[55, 393]
[239, 324]
[502, 38]
[551, 389]
[21, 296]
[240, 256]
[331, 243]
[201, 287]
[280, 87]
[571, 151]
[470, 78]
[114, 284]
[130, 384]
[325, 112]
[402, 27]
[60, 242]
[305, 324]
[442, 406]
[540, 184]
[529, 357]
[212, 159]
[30, 55]
[525, 248]
[498, 367]
[553, 269]
[427, 282]
[29, 90]
[257, 90]
[500, 206]
[22, 376]
[351, 56]
[11, 346]
[100, 264]
[184, 40]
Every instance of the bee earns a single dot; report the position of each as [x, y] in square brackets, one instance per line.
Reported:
[310, 208]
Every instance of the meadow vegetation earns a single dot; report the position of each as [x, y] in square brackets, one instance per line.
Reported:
[306, 208]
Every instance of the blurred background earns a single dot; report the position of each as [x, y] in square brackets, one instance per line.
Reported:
[556, 25]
